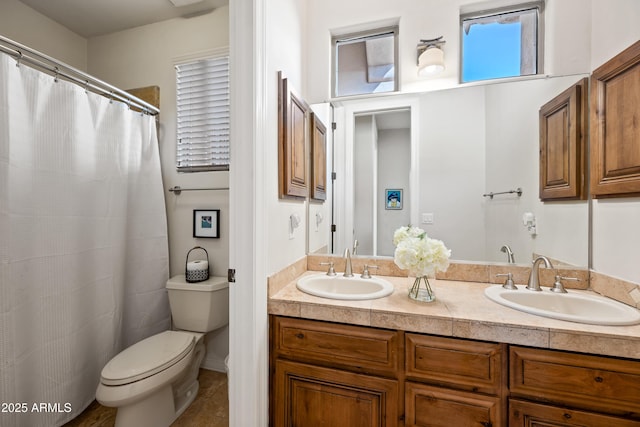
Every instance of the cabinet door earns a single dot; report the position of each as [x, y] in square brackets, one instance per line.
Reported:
[439, 407]
[615, 133]
[562, 144]
[293, 146]
[527, 414]
[318, 158]
[307, 395]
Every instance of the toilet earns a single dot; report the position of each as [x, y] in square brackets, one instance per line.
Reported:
[155, 380]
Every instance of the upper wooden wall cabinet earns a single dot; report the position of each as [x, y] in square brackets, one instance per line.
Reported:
[302, 147]
[563, 122]
[292, 140]
[319, 159]
[615, 125]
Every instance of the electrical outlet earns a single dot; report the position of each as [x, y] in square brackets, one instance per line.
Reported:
[427, 218]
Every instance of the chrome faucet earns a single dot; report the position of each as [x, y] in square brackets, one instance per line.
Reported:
[534, 281]
[348, 272]
[509, 252]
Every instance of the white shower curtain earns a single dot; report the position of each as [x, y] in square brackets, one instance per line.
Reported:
[83, 242]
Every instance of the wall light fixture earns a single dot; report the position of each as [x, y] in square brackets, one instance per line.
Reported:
[430, 56]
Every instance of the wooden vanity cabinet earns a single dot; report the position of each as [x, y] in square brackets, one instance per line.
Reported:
[343, 375]
[330, 374]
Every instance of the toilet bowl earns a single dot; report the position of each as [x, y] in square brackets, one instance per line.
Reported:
[154, 381]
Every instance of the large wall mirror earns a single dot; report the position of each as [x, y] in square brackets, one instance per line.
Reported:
[432, 159]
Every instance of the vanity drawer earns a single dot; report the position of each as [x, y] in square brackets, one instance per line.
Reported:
[525, 414]
[350, 347]
[584, 381]
[470, 365]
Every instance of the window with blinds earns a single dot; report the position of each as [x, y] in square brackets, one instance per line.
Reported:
[203, 115]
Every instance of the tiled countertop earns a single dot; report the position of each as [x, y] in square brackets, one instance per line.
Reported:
[460, 310]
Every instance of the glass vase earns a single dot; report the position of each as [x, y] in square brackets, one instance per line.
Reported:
[422, 293]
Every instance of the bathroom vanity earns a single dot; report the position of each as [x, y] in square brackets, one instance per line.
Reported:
[460, 361]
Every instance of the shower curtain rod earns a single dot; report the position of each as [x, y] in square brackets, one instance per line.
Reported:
[59, 69]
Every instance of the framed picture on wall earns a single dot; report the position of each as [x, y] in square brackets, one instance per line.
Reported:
[206, 223]
[393, 199]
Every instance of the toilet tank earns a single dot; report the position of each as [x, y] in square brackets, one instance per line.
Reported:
[201, 306]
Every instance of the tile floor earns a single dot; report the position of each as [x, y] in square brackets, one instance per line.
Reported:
[209, 409]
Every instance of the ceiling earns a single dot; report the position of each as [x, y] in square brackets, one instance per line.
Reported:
[89, 18]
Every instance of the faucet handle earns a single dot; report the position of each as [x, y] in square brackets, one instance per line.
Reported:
[331, 271]
[558, 287]
[508, 284]
[365, 272]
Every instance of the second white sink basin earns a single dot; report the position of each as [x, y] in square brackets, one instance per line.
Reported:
[572, 306]
[344, 288]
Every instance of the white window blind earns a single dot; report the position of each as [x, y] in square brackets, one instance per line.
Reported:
[203, 114]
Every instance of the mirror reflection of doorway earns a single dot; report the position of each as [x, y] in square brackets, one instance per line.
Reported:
[381, 167]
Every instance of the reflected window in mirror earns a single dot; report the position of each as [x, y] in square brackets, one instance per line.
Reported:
[501, 43]
[365, 62]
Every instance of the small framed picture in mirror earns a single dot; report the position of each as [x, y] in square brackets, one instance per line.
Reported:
[393, 198]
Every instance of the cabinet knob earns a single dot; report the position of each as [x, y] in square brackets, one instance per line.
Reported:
[300, 335]
[599, 379]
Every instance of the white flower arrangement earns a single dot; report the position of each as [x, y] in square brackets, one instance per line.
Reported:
[418, 253]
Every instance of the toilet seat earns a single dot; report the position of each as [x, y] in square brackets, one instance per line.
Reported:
[148, 357]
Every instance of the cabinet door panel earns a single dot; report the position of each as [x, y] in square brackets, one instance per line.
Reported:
[293, 180]
[439, 407]
[307, 395]
[562, 146]
[527, 414]
[319, 158]
[615, 133]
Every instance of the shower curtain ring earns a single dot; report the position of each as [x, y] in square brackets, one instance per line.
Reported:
[57, 71]
[19, 59]
[111, 98]
[86, 86]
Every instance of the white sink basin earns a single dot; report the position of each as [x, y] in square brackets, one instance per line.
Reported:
[345, 288]
[572, 306]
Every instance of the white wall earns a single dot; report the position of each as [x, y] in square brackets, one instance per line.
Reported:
[616, 229]
[24, 25]
[452, 169]
[364, 159]
[286, 36]
[145, 56]
[394, 164]
[512, 159]
[567, 52]
[580, 35]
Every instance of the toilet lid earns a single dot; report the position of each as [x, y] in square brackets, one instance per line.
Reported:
[148, 357]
